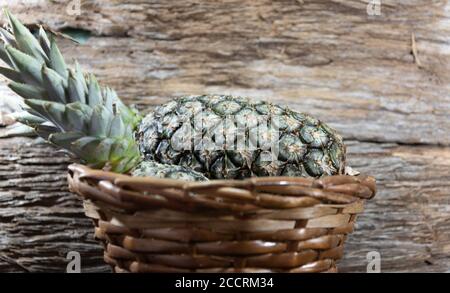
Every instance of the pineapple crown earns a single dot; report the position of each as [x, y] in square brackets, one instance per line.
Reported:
[65, 106]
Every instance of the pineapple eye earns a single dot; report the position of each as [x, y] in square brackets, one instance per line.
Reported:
[291, 149]
[293, 170]
[317, 163]
[263, 137]
[205, 121]
[305, 119]
[314, 136]
[285, 122]
[226, 107]
[268, 109]
[247, 118]
[166, 154]
[337, 155]
[223, 167]
[166, 108]
[190, 109]
[266, 165]
[171, 122]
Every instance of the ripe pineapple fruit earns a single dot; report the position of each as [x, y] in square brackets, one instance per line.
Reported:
[305, 146]
[72, 111]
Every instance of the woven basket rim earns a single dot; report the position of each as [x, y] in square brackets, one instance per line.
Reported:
[339, 189]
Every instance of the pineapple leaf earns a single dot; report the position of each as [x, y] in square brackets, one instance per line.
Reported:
[5, 57]
[77, 35]
[11, 74]
[127, 164]
[54, 84]
[25, 117]
[86, 146]
[54, 112]
[25, 40]
[117, 127]
[103, 149]
[29, 67]
[77, 116]
[44, 41]
[65, 139]
[79, 76]
[100, 123]
[28, 91]
[65, 106]
[45, 130]
[118, 148]
[76, 89]
[94, 94]
[16, 130]
[35, 113]
[57, 62]
[7, 37]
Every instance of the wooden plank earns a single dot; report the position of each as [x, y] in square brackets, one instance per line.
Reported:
[408, 222]
[40, 221]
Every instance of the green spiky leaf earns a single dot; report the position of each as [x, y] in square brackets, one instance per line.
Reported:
[5, 57]
[28, 91]
[65, 139]
[54, 112]
[77, 117]
[11, 74]
[117, 127]
[44, 41]
[64, 106]
[25, 40]
[7, 37]
[57, 60]
[100, 124]
[54, 84]
[16, 130]
[26, 118]
[45, 130]
[29, 67]
[76, 89]
[94, 92]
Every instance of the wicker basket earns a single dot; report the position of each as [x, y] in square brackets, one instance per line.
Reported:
[266, 224]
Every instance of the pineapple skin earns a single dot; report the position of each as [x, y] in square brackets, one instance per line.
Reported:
[306, 146]
[154, 169]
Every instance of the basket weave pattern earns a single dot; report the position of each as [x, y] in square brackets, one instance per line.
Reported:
[265, 224]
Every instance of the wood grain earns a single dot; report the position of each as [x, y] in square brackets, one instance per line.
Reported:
[328, 58]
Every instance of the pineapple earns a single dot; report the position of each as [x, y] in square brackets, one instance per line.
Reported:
[193, 138]
[152, 168]
[225, 137]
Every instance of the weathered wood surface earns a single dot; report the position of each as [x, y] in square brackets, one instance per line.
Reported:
[328, 58]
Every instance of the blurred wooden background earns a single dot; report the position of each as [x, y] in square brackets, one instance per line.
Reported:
[361, 74]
